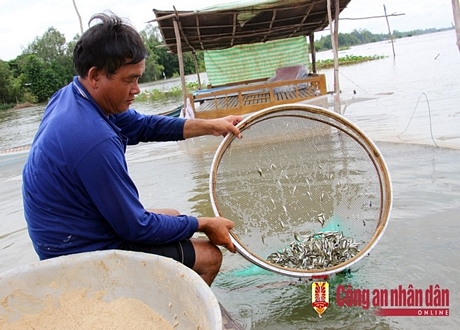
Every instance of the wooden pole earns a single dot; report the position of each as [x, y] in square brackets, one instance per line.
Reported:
[338, 107]
[181, 65]
[196, 69]
[313, 52]
[334, 40]
[389, 31]
[456, 10]
[79, 17]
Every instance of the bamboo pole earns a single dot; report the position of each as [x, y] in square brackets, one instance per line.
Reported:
[313, 52]
[181, 65]
[79, 17]
[389, 30]
[456, 11]
[195, 63]
[334, 40]
[338, 107]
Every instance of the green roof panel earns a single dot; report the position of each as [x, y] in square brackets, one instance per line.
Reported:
[254, 61]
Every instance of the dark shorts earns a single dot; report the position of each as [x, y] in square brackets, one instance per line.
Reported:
[180, 251]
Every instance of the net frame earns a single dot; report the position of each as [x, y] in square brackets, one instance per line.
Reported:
[325, 116]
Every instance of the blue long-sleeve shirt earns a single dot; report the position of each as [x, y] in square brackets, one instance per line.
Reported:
[78, 195]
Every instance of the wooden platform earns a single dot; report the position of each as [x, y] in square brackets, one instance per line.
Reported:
[244, 99]
[254, 99]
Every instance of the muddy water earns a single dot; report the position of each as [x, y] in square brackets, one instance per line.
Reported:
[420, 246]
[423, 84]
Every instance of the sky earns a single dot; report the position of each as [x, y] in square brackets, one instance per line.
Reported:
[21, 21]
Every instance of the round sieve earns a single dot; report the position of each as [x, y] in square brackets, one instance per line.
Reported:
[309, 193]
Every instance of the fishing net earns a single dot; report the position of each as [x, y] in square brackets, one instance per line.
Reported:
[309, 193]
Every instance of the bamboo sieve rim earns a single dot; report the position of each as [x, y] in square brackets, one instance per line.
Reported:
[307, 111]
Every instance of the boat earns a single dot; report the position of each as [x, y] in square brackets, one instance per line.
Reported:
[174, 112]
[256, 53]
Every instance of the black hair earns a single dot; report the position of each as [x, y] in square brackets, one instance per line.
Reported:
[108, 45]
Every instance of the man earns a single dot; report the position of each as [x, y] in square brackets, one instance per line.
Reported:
[78, 195]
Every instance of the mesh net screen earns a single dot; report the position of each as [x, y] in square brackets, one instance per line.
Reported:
[298, 174]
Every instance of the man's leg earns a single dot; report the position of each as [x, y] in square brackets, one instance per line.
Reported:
[208, 259]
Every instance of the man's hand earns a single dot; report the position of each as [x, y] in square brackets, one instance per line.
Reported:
[223, 126]
[216, 127]
[217, 231]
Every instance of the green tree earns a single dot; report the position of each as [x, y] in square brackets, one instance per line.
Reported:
[41, 79]
[366, 36]
[189, 63]
[161, 61]
[167, 62]
[16, 84]
[50, 47]
[153, 69]
[6, 77]
[356, 37]
[46, 64]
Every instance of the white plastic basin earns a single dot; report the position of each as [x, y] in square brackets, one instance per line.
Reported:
[171, 289]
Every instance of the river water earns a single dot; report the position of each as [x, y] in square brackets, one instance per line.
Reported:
[413, 117]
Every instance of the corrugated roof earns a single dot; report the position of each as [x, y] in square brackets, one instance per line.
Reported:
[221, 27]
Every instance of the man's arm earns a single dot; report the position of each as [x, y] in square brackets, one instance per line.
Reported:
[105, 179]
[216, 127]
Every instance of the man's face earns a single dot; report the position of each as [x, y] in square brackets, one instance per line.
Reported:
[116, 94]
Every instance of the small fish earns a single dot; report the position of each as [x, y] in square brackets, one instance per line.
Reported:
[260, 171]
[321, 219]
[317, 251]
[272, 167]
